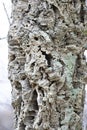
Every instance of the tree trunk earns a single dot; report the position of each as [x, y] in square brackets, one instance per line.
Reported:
[46, 66]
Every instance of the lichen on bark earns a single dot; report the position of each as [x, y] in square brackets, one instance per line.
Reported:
[46, 65]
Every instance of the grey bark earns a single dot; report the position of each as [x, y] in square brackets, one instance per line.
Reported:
[46, 66]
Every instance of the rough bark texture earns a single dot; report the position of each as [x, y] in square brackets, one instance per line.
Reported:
[46, 66]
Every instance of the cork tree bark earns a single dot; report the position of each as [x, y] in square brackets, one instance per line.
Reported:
[46, 64]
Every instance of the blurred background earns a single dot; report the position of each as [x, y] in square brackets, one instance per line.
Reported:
[6, 111]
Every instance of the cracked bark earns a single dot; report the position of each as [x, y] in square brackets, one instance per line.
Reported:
[46, 66]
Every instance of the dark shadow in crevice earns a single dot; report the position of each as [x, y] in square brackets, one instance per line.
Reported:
[48, 58]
